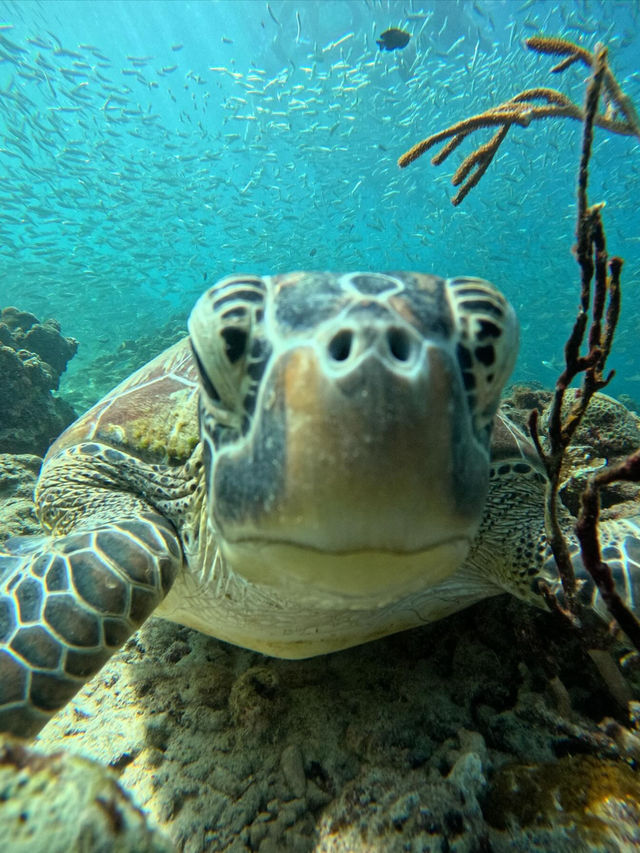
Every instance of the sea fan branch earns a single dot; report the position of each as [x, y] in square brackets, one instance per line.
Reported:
[522, 111]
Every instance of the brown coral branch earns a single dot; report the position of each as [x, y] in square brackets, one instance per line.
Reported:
[613, 308]
[521, 111]
[480, 160]
[603, 303]
[561, 432]
[510, 112]
[490, 118]
[552, 96]
[451, 145]
[560, 47]
[562, 66]
[589, 233]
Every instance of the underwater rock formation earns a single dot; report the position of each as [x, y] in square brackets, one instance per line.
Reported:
[598, 802]
[63, 802]
[609, 432]
[394, 745]
[33, 356]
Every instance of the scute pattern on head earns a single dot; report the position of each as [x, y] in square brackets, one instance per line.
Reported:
[244, 322]
[302, 301]
[230, 352]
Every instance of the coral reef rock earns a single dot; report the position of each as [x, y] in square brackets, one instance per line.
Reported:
[61, 803]
[596, 802]
[33, 356]
[607, 434]
[391, 746]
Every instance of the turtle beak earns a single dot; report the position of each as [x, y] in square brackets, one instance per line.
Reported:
[364, 448]
[362, 445]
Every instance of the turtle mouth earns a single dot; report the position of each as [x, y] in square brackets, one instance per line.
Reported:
[355, 578]
[377, 462]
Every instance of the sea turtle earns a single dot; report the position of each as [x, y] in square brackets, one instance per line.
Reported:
[321, 463]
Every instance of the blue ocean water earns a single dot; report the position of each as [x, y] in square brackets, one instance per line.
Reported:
[148, 148]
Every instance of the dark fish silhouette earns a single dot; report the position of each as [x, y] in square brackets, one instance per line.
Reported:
[393, 39]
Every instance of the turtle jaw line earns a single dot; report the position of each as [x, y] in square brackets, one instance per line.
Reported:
[359, 577]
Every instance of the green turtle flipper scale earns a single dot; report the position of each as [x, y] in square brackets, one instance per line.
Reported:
[620, 548]
[68, 601]
[320, 464]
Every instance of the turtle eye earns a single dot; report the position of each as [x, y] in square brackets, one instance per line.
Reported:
[223, 326]
[235, 340]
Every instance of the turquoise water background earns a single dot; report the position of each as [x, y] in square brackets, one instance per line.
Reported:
[148, 148]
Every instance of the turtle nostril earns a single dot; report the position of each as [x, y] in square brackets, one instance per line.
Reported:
[340, 345]
[399, 344]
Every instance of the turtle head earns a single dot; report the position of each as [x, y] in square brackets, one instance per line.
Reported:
[346, 421]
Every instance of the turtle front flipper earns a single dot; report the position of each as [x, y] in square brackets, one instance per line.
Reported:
[620, 550]
[511, 550]
[69, 601]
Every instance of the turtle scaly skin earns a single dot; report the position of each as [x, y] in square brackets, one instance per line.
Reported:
[69, 600]
[313, 469]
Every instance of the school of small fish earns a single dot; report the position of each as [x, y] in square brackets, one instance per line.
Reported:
[268, 139]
